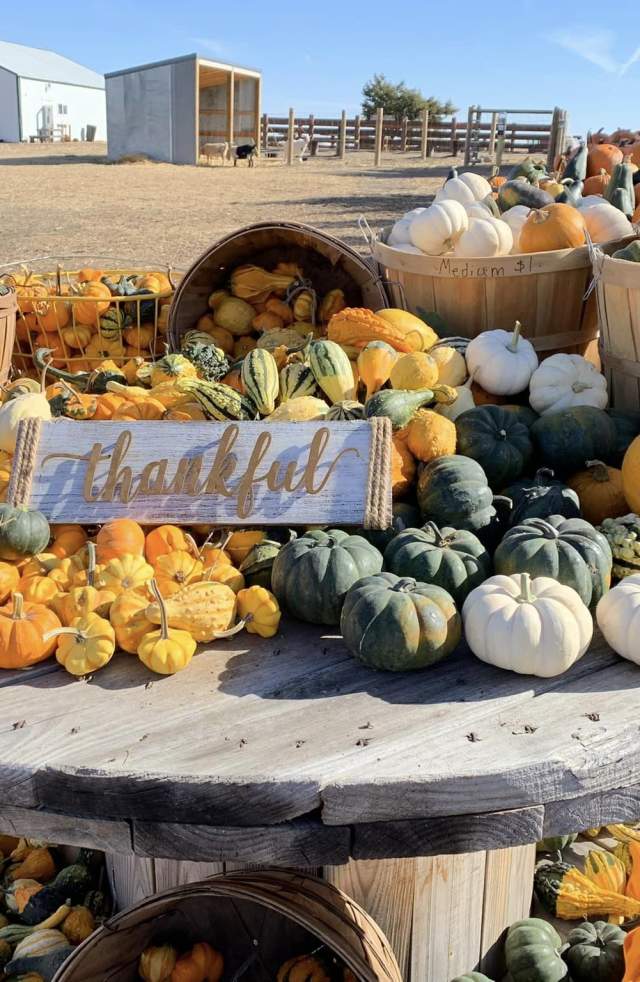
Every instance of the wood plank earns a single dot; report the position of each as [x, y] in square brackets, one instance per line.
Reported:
[508, 888]
[447, 920]
[591, 811]
[171, 873]
[94, 833]
[385, 890]
[304, 843]
[451, 834]
[131, 878]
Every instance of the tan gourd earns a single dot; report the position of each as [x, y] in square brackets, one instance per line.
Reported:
[206, 610]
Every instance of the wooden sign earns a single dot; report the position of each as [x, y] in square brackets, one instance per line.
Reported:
[206, 473]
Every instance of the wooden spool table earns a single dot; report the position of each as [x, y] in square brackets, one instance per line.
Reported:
[421, 795]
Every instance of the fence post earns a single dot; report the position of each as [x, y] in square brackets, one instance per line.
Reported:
[492, 134]
[290, 134]
[404, 123]
[561, 132]
[454, 138]
[265, 131]
[424, 136]
[342, 135]
[378, 143]
[553, 135]
[467, 141]
[312, 126]
[356, 133]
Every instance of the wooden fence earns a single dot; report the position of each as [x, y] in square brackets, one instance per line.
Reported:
[336, 136]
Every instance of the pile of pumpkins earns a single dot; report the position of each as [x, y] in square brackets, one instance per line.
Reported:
[49, 907]
[598, 193]
[202, 963]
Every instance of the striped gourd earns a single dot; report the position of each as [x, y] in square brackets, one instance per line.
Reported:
[296, 380]
[111, 325]
[605, 870]
[332, 370]
[196, 336]
[217, 400]
[346, 410]
[259, 376]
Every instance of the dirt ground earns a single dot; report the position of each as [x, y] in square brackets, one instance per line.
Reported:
[67, 200]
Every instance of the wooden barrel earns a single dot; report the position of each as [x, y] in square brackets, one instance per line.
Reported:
[326, 261]
[8, 309]
[617, 284]
[545, 291]
[256, 919]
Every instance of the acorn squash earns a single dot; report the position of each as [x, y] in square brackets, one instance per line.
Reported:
[540, 497]
[532, 952]
[454, 491]
[497, 440]
[566, 439]
[453, 559]
[595, 952]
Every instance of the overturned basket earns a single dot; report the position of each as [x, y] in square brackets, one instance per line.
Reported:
[256, 919]
[326, 262]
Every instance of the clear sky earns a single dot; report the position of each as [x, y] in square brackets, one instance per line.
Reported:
[315, 56]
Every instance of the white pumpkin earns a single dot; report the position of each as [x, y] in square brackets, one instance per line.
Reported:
[22, 407]
[478, 209]
[502, 362]
[437, 229]
[564, 381]
[603, 221]
[465, 188]
[534, 627]
[515, 218]
[400, 230]
[618, 617]
[461, 404]
[486, 236]
[407, 247]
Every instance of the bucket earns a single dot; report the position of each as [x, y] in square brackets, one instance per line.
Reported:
[8, 308]
[617, 283]
[258, 920]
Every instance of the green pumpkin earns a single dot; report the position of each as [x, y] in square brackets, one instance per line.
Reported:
[498, 440]
[630, 253]
[399, 405]
[454, 491]
[312, 574]
[257, 565]
[472, 977]
[620, 191]
[566, 439]
[453, 559]
[572, 193]
[521, 193]
[397, 624]
[595, 952]
[556, 843]
[576, 168]
[525, 414]
[532, 170]
[22, 532]
[405, 516]
[569, 550]
[627, 427]
[532, 952]
[540, 497]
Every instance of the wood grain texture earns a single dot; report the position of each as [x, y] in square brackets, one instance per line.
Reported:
[592, 811]
[303, 843]
[72, 831]
[508, 887]
[453, 834]
[131, 878]
[227, 474]
[175, 873]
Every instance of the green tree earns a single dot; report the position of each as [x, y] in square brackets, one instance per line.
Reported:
[398, 100]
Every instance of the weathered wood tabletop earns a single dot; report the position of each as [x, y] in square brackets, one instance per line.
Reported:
[287, 749]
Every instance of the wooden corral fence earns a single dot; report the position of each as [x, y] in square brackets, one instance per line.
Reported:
[336, 136]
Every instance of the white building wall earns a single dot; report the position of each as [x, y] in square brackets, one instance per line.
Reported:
[72, 105]
[9, 119]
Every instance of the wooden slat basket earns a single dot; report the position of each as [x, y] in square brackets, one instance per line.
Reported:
[617, 283]
[545, 291]
[8, 308]
[326, 261]
[256, 919]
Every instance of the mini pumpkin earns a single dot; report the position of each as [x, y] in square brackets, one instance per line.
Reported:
[86, 645]
[118, 537]
[157, 963]
[24, 633]
[167, 650]
[165, 539]
[225, 573]
[9, 577]
[176, 569]
[67, 539]
[37, 589]
[259, 610]
[599, 489]
[128, 572]
[127, 616]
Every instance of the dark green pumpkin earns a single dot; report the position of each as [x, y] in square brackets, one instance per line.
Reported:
[525, 414]
[627, 427]
[22, 532]
[397, 624]
[399, 405]
[532, 170]
[454, 491]
[576, 168]
[257, 565]
[569, 550]
[532, 952]
[453, 559]
[572, 193]
[405, 516]
[522, 193]
[620, 191]
[498, 440]
[595, 952]
[541, 496]
[630, 253]
[311, 575]
[556, 843]
[472, 977]
[566, 439]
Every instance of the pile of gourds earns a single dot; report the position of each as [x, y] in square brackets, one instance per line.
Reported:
[202, 963]
[90, 315]
[528, 210]
[49, 907]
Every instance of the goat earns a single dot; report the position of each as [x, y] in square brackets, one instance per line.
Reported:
[245, 151]
[300, 145]
[219, 150]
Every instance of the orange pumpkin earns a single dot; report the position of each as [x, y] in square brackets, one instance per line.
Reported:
[9, 577]
[603, 156]
[119, 537]
[140, 409]
[139, 337]
[201, 964]
[403, 467]
[98, 300]
[88, 274]
[555, 226]
[30, 295]
[597, 184]
[165, 539]
[67, 540]
[175, 570]
[22, 627]
[38, 589]
[53, 316]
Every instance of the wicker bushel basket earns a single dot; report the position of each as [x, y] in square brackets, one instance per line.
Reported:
[545, 291]
[617, 283]
[327, 262]
[8, 308]
[256, 919]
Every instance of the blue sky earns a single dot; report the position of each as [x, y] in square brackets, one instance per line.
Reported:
[316, 55]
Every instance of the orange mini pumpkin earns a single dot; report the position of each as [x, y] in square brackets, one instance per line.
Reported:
[98, 299]
[22, 627]
[555, 226]
[67, 540]
[9, 577]
[603, 156]
[164, 539]
[119, 537]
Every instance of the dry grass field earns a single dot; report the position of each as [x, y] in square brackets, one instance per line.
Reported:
[65, 199]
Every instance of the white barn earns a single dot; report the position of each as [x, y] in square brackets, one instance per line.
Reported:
[41, 90]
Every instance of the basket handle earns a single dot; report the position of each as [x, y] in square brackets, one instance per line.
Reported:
[367, 232]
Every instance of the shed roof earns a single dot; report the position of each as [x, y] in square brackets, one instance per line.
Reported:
[40, 63]
[202, 59]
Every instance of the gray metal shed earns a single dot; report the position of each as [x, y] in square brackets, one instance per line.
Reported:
[169, 109]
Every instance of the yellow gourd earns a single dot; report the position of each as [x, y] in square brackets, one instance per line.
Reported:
[86, 645]
[417, 370]
[78, 925]
[259, 610]
[418, 335]
[298, 410]
[452, 368]
[39, 565]
[168, 650]
[225, 573]
[239, 544]
[81, 600]
[37, 865]
[128, 619]
[375, 362]
[430, 435]
[357, 326]
[127, 572]
[175, 570]
[206, 610]
[605, 870]
[254, 284]
[157, 963]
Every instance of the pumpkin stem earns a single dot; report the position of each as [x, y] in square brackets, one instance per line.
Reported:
[91, 570]
[80, 636]
[47, 359]
[599, 470]
[580, 386]
[526, 595]
[164, 627]
[542, 473]
[437, 534]
[18, 606]
[513, 346]
[234, 630]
